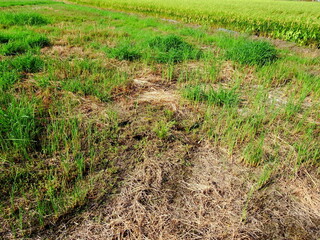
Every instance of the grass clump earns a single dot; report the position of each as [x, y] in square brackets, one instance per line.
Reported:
[14, 48]
[8, 78]
[28, 63]
[33, 39]
[172, 49]
[31, 19]
[125, 52]
[37, 41]
[220, 97]
[11, 70]
[251, 52]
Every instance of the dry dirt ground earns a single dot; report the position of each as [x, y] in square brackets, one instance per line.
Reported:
[186, 189]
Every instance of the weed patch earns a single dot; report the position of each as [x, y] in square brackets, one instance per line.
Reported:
[14, 48]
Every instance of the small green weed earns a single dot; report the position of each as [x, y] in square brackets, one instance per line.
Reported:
[162, 129]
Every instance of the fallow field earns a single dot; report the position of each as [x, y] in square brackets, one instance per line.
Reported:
[132, 125]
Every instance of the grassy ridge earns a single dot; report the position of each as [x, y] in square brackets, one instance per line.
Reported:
[288, 20]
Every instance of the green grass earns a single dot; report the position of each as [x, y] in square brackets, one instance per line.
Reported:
[8, 78]
[91, 78]
[12, 70]
[245, 50]
[253, 152]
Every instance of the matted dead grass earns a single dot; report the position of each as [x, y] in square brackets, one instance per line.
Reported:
[159, 96]
[162, 198]
[280, 214]
[63, 51]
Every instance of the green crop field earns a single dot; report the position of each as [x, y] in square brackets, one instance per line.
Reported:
[289, 20]
[117, 125]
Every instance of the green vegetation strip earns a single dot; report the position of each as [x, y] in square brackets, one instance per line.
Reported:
[289, 20]
[11, 3]
[10, 19]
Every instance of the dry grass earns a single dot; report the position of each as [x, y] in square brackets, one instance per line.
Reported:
[280, 213]
[163, 199]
